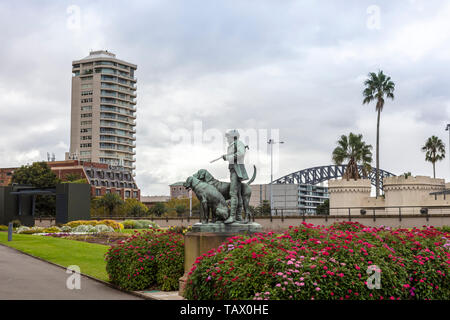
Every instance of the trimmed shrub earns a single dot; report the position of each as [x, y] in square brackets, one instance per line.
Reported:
[139, 224]
[128, 224]
[84, 228]
[103, 228]
[66, 229]
[28, 230]
[310, 262]
[110, 223]
[3, 228]
[150, 258]
[52, 230]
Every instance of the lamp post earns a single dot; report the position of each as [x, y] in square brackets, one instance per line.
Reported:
[190, 203]
[271, 142]
[448, 129]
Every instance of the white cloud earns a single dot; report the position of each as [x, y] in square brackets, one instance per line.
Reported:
[294, 66]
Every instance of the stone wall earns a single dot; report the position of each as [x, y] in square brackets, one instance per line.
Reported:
[348, 194]
[412, 191]
[401, 196]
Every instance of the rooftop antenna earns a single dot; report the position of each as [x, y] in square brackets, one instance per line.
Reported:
[53, 157]
[48, 157]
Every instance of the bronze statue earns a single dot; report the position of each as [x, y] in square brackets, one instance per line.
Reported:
[225, 200]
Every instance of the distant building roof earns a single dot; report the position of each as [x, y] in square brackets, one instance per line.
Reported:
[179, 183]
[149, 199]
[99, 54]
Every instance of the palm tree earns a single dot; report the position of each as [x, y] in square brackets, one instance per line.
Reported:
[435, 151]
[110, 201]
[377, 87]
[356, 151]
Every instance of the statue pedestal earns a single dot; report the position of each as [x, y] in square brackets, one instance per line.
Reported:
[205, 237]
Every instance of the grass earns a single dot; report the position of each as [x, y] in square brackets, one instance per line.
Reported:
[88, 256]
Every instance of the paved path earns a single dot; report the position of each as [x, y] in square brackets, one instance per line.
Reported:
[24, 277]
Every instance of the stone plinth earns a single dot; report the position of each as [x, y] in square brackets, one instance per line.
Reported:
[236, 227]
[198, 241]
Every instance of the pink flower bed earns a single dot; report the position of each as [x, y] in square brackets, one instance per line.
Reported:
[340, 262]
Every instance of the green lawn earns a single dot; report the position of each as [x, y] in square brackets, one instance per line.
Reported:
[88, 256]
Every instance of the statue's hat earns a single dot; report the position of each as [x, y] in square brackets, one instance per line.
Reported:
[232, 133]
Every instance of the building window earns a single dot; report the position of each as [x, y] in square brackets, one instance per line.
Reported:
[98, 192]
[86, 145]
[86, 115]
[127, 194]
[86, 137]
[108, 191]
[85, 130]
[86, 108]
[86, 78]
[135, 194]
[118, 192]
[86, 123]
[86, 100]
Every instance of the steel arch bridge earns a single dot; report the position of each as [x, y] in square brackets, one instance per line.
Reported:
[320, 174]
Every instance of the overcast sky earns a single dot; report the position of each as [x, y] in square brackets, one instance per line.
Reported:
[290, 69]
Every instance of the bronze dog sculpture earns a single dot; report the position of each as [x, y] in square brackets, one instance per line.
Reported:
[211, 199]
[224, 189]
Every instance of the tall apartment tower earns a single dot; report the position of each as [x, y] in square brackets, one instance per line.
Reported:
[103, 110]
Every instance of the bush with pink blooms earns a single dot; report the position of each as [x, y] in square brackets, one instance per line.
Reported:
[153, 258]
[336, 262]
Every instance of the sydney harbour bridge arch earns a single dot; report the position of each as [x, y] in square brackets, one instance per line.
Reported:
[320, 174]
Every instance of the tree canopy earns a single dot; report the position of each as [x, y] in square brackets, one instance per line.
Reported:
[353, 149]
[434, 150]
[37, 174]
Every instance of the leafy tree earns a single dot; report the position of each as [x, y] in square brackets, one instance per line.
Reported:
[71, 177]
[172, 204]
[324, 208]
[110, 202]
[38, 175]
[133, 208]
[263, 209]
[180, 209]
[96, 209]
[158, 209]
[356, 151]
[435, 151]
[377, 88]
